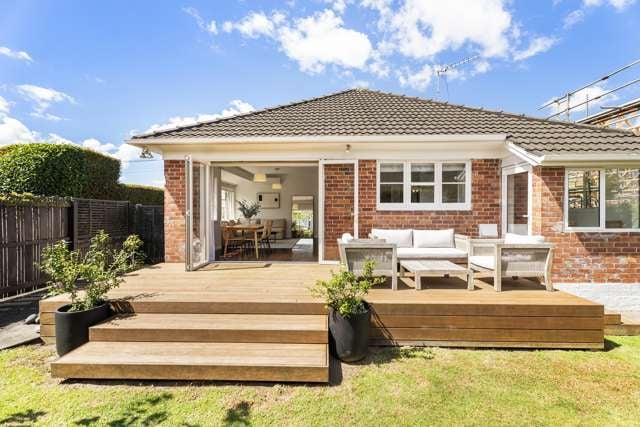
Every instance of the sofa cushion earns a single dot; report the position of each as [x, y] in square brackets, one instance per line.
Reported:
[485, 261]
[514, 239]
[430, 253]
[346, 238]
[433, 238]
[401, 238]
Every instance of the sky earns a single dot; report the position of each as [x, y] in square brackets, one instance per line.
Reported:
[95, 73]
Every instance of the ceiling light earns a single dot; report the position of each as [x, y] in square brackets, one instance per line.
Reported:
[259, 177]
[276, 186]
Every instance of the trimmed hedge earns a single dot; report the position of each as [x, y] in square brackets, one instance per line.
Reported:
[28, 199]
[68, 170]
[141, 194]
[57, 170]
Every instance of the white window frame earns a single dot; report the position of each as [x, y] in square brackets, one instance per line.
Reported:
[229, 189]
[437, 205]
[603, 202]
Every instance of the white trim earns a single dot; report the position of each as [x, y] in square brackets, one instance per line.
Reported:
[512, 170]
[524, 154]
[313, 138]
[603, 206]
[437, 204]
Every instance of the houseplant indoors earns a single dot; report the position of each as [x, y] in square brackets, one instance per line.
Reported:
[86, 278]
[349, 313]
[248, 209]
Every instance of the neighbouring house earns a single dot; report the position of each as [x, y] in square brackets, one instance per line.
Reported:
[625, 116]
[368, 159]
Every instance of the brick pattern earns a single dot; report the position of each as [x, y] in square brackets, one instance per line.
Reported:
[174, 209]
[338, 207]
[485, 199]
[580, 257]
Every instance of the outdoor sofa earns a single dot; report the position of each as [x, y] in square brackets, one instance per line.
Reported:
[514, 256]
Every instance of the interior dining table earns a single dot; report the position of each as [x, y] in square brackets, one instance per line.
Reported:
[248, 229]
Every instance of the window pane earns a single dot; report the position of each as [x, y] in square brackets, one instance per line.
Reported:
[452, 193]
[584, 198]
[391, 172]
[391, 193]
[453, 172]
[622, 209]
[422, 193]
[422, 172]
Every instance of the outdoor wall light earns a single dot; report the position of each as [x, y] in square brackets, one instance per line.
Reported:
[347, 149]
[146, 154]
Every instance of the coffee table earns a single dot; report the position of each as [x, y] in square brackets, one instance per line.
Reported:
[436, 268]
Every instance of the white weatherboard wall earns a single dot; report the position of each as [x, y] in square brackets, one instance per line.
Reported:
[295, 182]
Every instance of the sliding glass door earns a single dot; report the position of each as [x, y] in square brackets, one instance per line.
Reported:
[196, 250]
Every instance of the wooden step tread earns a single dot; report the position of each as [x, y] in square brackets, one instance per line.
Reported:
[195, 361]
[250, 328]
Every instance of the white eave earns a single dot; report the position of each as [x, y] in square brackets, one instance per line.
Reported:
[572, 159]
[317, 139]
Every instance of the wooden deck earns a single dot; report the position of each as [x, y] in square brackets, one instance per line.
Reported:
[205, 319]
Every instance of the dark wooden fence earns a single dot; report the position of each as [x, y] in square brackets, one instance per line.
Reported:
[26, 230]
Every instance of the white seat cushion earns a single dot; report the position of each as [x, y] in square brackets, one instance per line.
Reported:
[346, 238]
[433, 238]
[401, 238]
[514, 239]
[484, 261]
[430, 253]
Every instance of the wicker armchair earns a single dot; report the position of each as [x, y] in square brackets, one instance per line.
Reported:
[354, 253]
[497, 259]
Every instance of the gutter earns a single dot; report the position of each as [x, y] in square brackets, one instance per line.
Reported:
[142, 142]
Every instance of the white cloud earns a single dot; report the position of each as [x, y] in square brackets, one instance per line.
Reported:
[319, 40]
[617, 4]
[57, 139]
[43, 98]
[96, 145]
[255, 24]
[210, 27]
[338, 5]
[573, 18]
[424, 28]
[237, 107]
[591, 93]
[22, 55]
[418, 80]
[13, 131]
[4, 106]
[536, 46]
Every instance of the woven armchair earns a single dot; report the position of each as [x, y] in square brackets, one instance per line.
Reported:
[355, 253]
[496, 259]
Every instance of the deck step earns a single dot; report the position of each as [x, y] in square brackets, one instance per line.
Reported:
[240, 328]
[195, 361]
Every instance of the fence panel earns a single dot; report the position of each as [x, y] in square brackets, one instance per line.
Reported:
[24, 232]
[149, 225]
[91, 216]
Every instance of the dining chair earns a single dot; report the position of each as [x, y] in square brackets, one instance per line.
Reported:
[231, 238]
[266, 233]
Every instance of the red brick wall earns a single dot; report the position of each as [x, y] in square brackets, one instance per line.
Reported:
[338, 206]
[485, 199]
[174, 208]
[580, 257]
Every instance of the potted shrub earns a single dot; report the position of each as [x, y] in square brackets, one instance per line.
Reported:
[86, 279]
[349, 313]
[248, 209]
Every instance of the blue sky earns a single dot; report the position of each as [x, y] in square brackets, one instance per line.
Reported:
[93, 73]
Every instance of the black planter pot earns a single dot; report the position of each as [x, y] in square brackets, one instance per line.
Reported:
[349, 337]
[72, 327]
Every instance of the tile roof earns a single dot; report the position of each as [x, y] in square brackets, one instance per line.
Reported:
[363, 112]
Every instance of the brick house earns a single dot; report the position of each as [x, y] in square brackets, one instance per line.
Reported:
[391, 161]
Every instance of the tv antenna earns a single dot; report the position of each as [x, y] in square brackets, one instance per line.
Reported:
[566, 99]
[441, 73]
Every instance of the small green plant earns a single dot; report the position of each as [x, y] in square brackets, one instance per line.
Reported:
[345, 291]
[249, 209]
[101, 269]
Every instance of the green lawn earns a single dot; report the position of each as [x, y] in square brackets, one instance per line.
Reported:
[396, 387]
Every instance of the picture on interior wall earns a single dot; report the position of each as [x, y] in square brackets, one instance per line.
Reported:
[269, 200]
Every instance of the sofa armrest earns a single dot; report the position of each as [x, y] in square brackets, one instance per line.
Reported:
[461, 242]
[482, 246]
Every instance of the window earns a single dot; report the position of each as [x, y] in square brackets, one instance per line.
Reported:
[424, 186]
[601, 199]
[227, 204]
